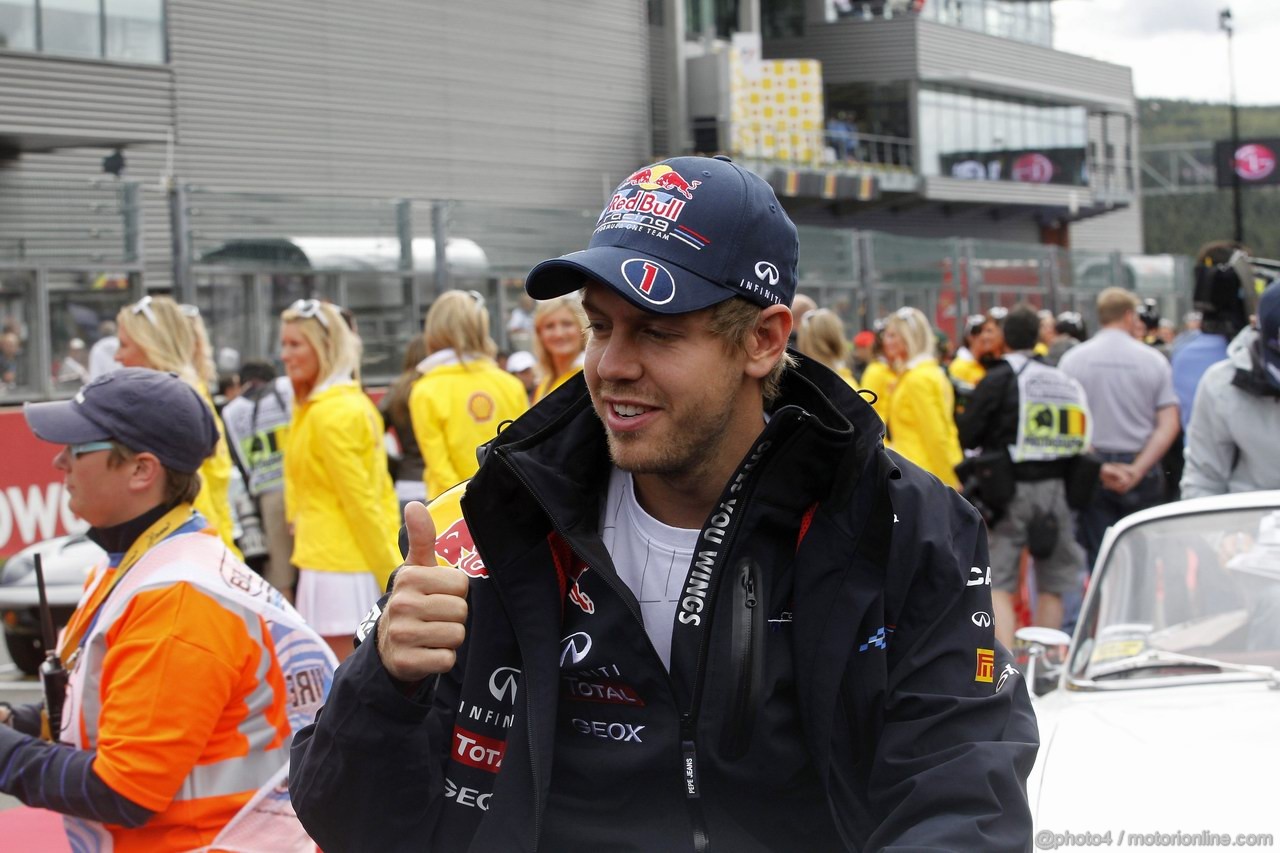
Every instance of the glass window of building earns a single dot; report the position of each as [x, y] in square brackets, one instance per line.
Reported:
[71, 27]
[17, 320]
[719, 17]
[976, 136]
[135, 30]
[782, 18]
[1021, 20]
[873, 122]
[18, 24]
[123, 30]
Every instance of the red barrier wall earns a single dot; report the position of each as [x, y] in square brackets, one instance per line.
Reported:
[32, 504]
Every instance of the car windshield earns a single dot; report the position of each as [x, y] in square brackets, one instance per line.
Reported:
[1184, 596]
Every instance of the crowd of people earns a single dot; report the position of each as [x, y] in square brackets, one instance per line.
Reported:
[1055, 434]
[661, 432]
[312, 450]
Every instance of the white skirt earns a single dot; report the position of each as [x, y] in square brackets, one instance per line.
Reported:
[335, 603]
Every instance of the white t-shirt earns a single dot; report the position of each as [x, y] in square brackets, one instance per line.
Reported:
[651, 558]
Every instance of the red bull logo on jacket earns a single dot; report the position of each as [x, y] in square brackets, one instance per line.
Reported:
[456, 548]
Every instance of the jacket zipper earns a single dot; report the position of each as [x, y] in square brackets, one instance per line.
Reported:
[747, 616]
[689, 718]
[533, 764]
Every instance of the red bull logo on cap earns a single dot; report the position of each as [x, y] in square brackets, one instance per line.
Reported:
[650, 280]
[662, 177]
[456, 548]
[651, 201]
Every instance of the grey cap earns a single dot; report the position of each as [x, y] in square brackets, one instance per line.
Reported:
[144, 410]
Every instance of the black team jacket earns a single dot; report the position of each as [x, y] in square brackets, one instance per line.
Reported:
[835, 682]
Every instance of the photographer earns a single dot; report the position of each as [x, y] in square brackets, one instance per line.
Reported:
[1031, 420]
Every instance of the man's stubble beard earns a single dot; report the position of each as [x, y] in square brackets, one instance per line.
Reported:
[694, 444]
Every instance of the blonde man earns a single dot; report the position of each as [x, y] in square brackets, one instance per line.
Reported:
[463, 397]
[1129, 386]
[158, 333]
[691, 602]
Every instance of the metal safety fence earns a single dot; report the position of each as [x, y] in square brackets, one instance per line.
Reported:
[72, 253]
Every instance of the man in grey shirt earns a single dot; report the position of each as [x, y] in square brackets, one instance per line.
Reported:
[1129, 386]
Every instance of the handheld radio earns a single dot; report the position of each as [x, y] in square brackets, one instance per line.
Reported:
[53, 675]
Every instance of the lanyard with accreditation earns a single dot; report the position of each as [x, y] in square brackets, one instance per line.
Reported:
[83, 619]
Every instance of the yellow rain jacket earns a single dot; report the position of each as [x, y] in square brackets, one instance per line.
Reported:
[215, 480]
[879, 379]
[457, 407]
[338, 492]
[921, 423]
[967, 371]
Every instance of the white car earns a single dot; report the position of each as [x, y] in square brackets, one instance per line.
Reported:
[1163, 719]
[66, 562]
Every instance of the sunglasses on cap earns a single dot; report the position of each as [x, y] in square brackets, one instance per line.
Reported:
[309, 309]
[78, 450]
[143, 307]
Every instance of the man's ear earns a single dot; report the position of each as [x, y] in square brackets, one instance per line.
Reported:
[768, 341]
[147, 472]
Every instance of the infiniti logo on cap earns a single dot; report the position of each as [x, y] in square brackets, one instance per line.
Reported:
[767, 272]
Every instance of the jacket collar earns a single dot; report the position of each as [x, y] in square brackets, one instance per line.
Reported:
[117, 538]
[331, 389]
[557, 454]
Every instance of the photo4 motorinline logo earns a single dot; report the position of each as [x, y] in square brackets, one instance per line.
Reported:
[1048, 839]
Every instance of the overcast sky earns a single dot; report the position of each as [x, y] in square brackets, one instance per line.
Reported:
[1175, 47]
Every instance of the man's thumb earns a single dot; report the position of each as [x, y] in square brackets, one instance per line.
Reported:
[421, 532]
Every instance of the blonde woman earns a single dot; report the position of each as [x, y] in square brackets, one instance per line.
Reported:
[879, 377]
[559, 342]
[338, 493]
[463, 396]
[821, 338]
[158, 333]
[920, 419]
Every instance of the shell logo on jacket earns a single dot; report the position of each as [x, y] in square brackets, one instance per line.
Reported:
[481, 407]
[455, 408]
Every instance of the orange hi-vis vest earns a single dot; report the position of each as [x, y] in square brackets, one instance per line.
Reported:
[204, 743]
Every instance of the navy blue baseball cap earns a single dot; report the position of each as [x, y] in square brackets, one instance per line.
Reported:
[1269, 330]
[681, 235]
[145, 410]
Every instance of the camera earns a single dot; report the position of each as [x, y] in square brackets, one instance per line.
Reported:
[1149, 314]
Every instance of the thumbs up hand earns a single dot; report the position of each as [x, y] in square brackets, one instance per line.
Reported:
[423, 623]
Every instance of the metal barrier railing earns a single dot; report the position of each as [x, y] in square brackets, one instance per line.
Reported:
[45, 311]
[243, 257]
